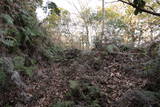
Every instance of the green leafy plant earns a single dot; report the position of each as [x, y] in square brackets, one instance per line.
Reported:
[53, 8]
[9, 41]
[7, 19]
[19, 64]
[53, 52]
[82, 93]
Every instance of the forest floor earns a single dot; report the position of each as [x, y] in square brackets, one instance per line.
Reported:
[114, 74]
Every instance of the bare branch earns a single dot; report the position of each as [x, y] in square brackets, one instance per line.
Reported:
[150, 8]
[142, 9]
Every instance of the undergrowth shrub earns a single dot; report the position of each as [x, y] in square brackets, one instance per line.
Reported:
[21, 30]
[83, 94]
[7, 19]
[153, 72]
[53, 53]
[20, 65]
[10, 70]
[20, 27]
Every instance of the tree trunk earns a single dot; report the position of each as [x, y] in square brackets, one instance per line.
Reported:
[103, 14]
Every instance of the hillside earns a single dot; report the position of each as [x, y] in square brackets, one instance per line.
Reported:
[36, 71]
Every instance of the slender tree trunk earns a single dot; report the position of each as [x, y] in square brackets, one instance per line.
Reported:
[139, 39]
[103, 14]
[87, 38]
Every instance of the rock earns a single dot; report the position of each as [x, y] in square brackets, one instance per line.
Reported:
[7, 65]
[8, 69]
[17, 80]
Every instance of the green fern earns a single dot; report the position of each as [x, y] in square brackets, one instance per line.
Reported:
[19, 64]
[9, 41]
[29, 70]
[7, 19]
